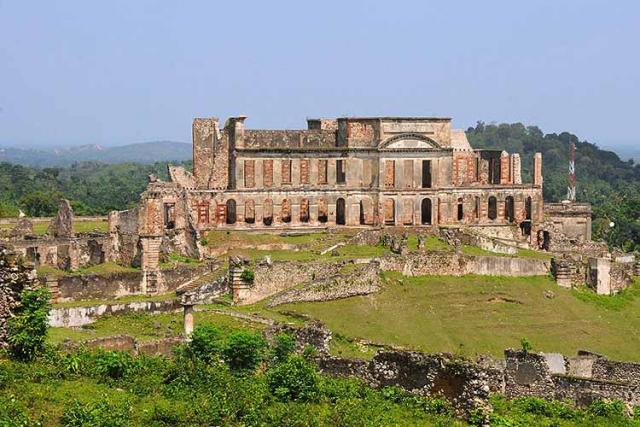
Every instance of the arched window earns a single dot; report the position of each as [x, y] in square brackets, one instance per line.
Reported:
[304, 210]
[322, 210]
[267, 212]
[492, 208]
[527, 208]
[249, 211]
[231, 211]
[362, 214]
[425, 211]
[460, 209]
[509, 209]
[340, 211]
[285, 211]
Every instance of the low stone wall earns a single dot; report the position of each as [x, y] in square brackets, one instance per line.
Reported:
[621, 372]
[159, 347]
[363, 280]
[119, 284]
[79, 316]
[272, 278]
[448, 263]
[461, 382]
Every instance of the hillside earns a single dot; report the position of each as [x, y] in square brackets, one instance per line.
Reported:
[145, 152]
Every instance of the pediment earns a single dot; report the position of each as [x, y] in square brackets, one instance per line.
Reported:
[409, 141]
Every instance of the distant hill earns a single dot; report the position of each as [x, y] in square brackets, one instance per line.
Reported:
[145, 152]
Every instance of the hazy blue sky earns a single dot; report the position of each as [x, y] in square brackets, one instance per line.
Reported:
[113, 72]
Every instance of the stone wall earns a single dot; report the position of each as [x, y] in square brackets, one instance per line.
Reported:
[277, 276]
[159, 347]
[362, 280]
[463, 383]
[79, 316]
[448, 263]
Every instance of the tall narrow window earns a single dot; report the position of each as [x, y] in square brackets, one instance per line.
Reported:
[492, 208]
[169, 215]
[341, 211]
[285, 211]
[322, 171]
[249, 211]
[389, 212]
[249, 173]
[389, 173]
[322, 210]
[476, 208]
[231, 211]
[460, 209]
[286, 171]
[304, 210]
[509, 209]
[267, 173]
[408, 173]
[426, 174]
[304, 171]
[341, 177]
[267, 212]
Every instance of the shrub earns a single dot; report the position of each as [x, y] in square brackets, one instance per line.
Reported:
[526, 345]
[247, 275]
[285, 345]
[28, 329]
[601, 408]
[294, 379]
[114, 364]
[205, 343]
[244, 351]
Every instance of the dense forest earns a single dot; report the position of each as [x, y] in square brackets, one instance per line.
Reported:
[93, 188]
[605, 180]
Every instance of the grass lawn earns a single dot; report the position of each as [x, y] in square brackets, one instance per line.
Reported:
[79, 226]
[121, 300]
[146, 327]
[102, 269]
[484, 315]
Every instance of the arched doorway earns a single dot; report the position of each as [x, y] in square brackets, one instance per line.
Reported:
[425, 211]
[231, 211]
[509, 211]
[304, 210]
[340, 211]
[322, 210]
[362, 216]
[285, 211]
[267, 212]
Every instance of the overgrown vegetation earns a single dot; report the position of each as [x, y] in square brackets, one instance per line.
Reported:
[27, 330]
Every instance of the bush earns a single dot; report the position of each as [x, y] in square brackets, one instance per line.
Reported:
[28, 329]
[294, 379]
[285, 345]
[526, 345]
[247, 275]
[601, 408]
[205, 343]
[244, 351]
[114, 364]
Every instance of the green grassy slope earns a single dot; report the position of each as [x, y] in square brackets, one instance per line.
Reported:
[479, 315]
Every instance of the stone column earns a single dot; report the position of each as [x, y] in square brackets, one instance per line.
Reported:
[537, 170]
[187, 305]
[516, 168]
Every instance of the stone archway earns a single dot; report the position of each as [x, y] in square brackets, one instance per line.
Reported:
[341, 213]
[426, 211]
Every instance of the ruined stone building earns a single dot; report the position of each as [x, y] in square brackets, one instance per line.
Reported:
[348, 171]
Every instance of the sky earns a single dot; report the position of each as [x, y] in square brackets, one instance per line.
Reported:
[116, 72]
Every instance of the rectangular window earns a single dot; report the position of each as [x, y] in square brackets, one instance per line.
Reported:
[267, 173]
[408, 173]
[341, 176]
[389, 173]
[322, 171]
[426, 174]
[304, 171]
[286, 171]
[249, 173]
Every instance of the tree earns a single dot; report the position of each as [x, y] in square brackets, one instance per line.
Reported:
[27, 330]
[40, 203]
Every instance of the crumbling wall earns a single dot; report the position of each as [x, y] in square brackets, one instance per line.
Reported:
[14, 278]
[124, 237]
